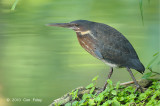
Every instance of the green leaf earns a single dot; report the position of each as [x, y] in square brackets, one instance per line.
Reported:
[68, 104]
[91, 102]
[105, 104]
[117, 85]
[14, 5]
[74, 94]
[114, 92]
[109, 82]
[90, 86]
[147, 75]
[95, 78]
[141, 9]
[84, 104]
[115, 103]
[142, 96]
[121, 98]
[158, 103]
[85, 96]
[57, 104]
[156, 54]
[129, 89]
[81, 102]
[92, 90]
[99, 98]
[152, 61]
[75, 103]
[109, 101]
[132, 96]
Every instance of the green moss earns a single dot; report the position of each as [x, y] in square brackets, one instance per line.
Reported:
[119, 96]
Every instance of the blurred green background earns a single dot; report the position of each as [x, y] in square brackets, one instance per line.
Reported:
[43, 62]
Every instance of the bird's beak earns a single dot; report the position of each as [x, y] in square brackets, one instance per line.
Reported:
[65, 25]
[59, 24]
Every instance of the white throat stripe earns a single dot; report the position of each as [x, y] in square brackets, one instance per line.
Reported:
[87, 32]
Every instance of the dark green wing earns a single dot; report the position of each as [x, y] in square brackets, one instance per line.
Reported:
[115, 48]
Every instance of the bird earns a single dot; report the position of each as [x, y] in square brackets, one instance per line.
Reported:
[106, 44]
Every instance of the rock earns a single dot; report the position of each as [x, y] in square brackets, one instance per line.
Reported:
[67, 97]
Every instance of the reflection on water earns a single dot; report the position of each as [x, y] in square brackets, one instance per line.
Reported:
[43, 62]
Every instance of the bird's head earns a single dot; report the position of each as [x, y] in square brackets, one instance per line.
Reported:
[77, 26]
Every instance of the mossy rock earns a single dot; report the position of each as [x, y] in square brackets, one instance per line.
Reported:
[68, 99]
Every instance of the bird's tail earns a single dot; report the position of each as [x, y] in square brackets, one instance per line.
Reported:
[137, 65]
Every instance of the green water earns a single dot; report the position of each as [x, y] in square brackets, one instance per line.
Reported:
[43, 62]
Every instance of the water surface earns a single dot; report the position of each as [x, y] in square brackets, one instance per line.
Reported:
[43, 62]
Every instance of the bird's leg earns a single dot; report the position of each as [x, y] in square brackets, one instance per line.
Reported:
[136, 83]
[109, 76]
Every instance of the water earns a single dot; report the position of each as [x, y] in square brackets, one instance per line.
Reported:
[40, 62]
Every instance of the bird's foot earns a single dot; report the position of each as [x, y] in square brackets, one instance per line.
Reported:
[139, 87]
